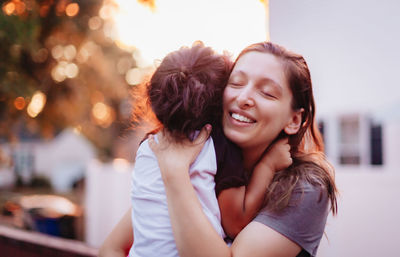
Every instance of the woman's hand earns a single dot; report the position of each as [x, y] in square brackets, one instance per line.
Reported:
[172, 155]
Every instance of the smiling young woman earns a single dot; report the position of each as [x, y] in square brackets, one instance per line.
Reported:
[257, 104]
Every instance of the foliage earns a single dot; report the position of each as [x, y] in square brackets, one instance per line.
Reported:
[48, 47]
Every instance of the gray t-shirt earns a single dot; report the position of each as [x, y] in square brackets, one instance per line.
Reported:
[303, 220]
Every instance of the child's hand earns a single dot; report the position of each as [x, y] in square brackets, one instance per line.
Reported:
[172, 156]
[278, 156]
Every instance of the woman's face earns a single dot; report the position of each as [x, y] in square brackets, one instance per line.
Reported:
[256, 102]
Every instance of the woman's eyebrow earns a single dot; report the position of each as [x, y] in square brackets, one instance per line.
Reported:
[271, 82]
[238, 73]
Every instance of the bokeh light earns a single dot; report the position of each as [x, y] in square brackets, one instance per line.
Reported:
[40, 56]
[134, 76]
[37, 104]
[9, 8]
[124, 64]
[95, 23]
[19, 103]
[64, 70]
[69, 52]
[72, 9]
[103, 114]
[57, 51]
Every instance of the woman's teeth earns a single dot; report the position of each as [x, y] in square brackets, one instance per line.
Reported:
[241, 118]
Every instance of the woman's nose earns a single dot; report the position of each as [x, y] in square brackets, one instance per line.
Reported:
[245, 97]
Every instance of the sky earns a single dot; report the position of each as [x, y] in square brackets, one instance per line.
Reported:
[224, 25]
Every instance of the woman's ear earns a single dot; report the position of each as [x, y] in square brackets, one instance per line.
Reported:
[295, 122]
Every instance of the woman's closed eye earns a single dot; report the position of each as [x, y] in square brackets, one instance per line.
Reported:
[235, 83]
[268, 94]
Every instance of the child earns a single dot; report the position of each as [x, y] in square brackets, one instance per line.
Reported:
[185, 94]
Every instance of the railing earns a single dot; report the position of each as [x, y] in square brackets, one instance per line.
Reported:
[16, 242]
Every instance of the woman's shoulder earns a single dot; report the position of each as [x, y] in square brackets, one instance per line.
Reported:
[303, 219]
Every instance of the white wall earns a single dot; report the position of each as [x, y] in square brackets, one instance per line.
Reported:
[107, 198]
[351, 47]
[367, 223]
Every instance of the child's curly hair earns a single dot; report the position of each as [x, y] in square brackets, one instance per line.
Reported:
[185, 91]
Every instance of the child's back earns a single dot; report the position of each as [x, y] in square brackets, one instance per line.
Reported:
[185, 93]
[150, 219]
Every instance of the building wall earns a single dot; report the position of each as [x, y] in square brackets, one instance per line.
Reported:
[351, 47]
[367, 221]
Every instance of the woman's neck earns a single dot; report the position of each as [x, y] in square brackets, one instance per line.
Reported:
[250, 158]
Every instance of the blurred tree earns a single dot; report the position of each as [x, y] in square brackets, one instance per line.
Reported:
[59, 67]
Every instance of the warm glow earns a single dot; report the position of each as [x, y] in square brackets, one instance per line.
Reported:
[36, 105]
[134, 76]
[121, 165]
[103, 114]
[224, 25]
[57, 51]
[40, 56]
[124, 64]
[87, 49]
[64, 70]
[94, 23]
[71, 70]
[107, 11]
[20, 7]
[19, 103]
[9, 8]
[77, 130]
[69, 52]
[72, 9]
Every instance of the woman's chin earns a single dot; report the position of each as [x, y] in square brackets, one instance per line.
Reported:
[236, 137]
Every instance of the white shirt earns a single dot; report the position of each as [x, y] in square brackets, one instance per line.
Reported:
[150, 219]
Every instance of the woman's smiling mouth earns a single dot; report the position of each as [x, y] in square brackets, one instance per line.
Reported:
[241, 118]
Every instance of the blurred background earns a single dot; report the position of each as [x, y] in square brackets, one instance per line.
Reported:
[68, 74]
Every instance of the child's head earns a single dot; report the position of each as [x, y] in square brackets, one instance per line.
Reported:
[185, 91]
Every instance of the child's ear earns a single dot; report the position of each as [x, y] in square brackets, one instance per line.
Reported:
[294, 123]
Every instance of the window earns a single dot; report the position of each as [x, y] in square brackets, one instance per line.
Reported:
[349, 140]
[376, 144]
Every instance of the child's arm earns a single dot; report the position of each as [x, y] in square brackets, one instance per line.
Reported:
[120, 240]
[239, 205]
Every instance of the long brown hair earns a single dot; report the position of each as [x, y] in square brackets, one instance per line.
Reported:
[309, 161]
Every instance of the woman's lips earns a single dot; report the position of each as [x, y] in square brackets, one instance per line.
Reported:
[241, 119]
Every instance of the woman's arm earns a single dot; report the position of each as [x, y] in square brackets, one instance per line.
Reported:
[194, 235]
[120, 240]
[239, 205]
[258, 240]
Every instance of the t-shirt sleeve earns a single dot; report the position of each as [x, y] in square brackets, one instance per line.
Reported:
[230, 170]
[303, 220]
